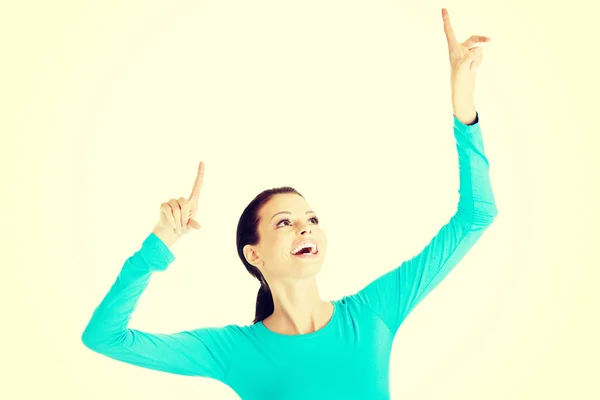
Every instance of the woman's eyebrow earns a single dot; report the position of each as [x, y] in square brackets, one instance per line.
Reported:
[287, 212]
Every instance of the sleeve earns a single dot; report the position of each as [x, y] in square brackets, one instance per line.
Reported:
[396, 293]
[202, 352]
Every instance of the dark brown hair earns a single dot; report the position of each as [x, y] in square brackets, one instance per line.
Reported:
[247, 233]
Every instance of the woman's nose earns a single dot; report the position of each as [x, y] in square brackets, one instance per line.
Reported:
[305, 229]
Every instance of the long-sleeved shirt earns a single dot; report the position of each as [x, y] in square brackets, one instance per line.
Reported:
[346, 359]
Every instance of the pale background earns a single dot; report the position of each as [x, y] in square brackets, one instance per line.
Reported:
[108, 106]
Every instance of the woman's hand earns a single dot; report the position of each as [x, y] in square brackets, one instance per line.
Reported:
[464, 59]
[177, 215]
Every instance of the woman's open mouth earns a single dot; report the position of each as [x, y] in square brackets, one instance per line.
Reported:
[305, 249]
[307, 254]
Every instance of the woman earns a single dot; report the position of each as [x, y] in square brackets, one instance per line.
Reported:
[299, 346]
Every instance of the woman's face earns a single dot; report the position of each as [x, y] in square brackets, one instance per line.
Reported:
[286, 221]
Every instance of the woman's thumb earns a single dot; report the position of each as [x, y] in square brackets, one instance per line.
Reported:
[475, 57]
[194, 224]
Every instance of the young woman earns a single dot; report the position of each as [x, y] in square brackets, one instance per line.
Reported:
[299, 346]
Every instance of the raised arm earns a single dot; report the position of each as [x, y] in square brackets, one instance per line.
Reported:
[201, 352]
[395, 294]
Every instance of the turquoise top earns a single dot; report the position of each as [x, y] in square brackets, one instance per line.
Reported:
[346, 359]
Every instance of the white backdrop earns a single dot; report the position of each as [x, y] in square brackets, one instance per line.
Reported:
[109, 106]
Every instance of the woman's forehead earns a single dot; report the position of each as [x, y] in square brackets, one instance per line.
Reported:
[285, 203]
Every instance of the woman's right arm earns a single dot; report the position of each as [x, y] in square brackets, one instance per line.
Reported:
[201, 352]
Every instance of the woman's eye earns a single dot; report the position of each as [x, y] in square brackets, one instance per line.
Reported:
[283, 220]
[315, 219]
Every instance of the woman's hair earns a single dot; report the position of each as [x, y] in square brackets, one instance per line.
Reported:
[247, 233]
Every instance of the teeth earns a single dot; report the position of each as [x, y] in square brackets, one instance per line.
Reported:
[313, 248]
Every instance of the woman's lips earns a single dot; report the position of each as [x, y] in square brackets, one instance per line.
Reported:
[307, 255]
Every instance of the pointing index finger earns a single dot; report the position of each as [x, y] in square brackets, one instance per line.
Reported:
[198, 183]
[448, 27]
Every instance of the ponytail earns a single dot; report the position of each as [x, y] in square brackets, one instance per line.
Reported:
[264, 303]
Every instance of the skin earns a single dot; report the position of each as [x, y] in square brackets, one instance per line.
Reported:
[465, 58]
[298, 307]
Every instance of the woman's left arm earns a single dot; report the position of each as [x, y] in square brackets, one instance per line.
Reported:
[395, 294]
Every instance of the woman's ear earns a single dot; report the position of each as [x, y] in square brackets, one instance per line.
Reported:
[252, 256]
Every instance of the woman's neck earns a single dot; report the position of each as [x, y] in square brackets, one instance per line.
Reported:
[297, 322]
